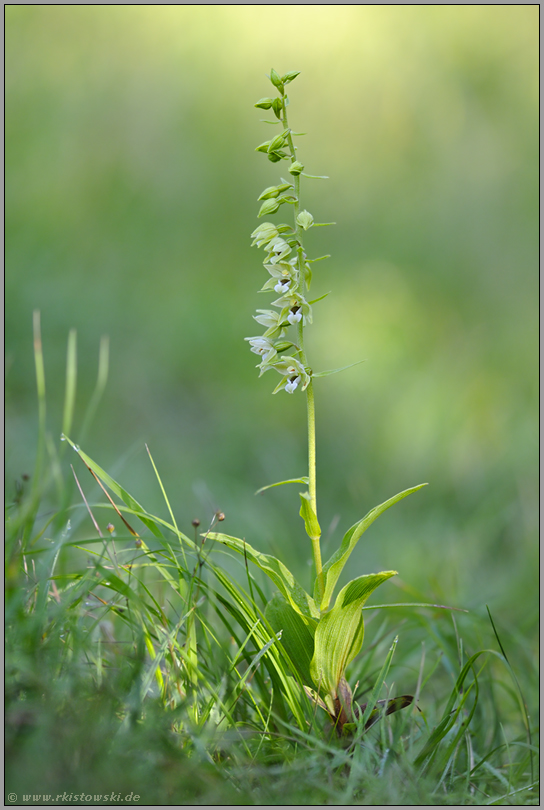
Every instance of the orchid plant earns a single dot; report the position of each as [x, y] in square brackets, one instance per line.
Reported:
[318, 636]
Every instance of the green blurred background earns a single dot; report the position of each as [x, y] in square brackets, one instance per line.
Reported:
[131, 182]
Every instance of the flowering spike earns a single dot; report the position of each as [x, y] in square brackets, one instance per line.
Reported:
[285, 258]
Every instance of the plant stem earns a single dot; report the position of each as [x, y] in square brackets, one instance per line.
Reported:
[310, 400]
[316, 547]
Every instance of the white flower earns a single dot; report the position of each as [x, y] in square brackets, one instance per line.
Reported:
[267, 318]
[277, 249]
[282, 285]
[295, 315]
[292, 385]
[271, 320]
[293, 373]
[263, 347]
[294, 307]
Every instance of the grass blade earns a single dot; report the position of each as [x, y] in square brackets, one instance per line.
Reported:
[71, 383]
[522, 702]
[373, 699]
[116, 488]
[101, 381]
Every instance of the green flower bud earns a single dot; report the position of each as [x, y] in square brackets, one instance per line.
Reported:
[305, 219]
[277, 106]
[277, 142]
[275, 157]
[269, 193]
[264, 103]
[268, 207]
[290, 76]
[263, 147]
[282, 346]
[276, 81]
[273, 191]
[296, 167]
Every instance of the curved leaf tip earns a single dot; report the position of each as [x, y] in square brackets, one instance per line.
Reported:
[334, 566]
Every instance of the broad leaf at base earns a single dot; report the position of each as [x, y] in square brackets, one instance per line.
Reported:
[297, 636]
[339, 634]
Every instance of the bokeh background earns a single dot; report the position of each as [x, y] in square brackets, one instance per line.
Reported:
[131, 187]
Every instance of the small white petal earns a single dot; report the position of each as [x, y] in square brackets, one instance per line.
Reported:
[292, 385]
[294, 317]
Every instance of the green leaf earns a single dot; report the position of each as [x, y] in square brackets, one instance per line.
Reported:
[319, 258]
[339, 635]
[115, 583]
[333, 567]
[313, 529]
[303, 480]
[297, 635]
[335, 370]
[378, 686]
[116, 488]
[71, 379]
[276, 570]
[415, 604]
[459, 694]
[314, 696]
[321, 297]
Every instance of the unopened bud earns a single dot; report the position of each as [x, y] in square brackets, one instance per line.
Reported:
[269, 193]
[264, 103]
[283, 346]
[288, 77]
[263, 147]
[277, 106]
[268, 207]
[277, 142]
[296, 167]
[276, 81]
[305, 219]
